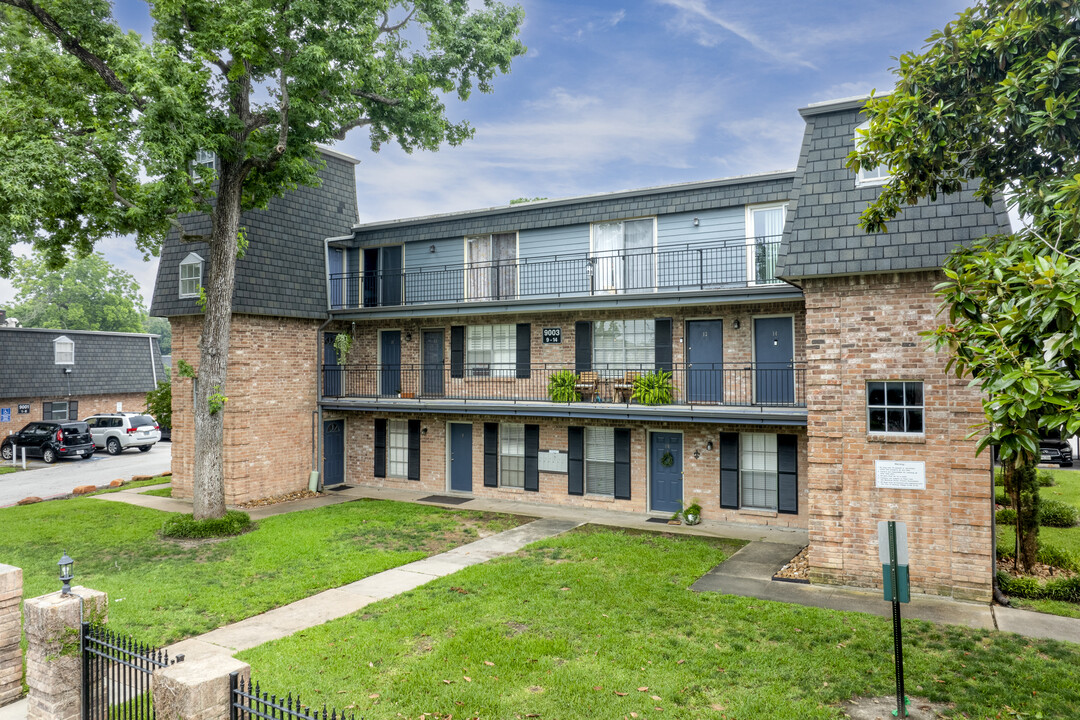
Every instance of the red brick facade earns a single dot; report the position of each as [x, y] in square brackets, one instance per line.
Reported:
[88, 405]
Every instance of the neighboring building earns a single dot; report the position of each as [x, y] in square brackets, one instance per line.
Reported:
[72, 374]
[790, 337]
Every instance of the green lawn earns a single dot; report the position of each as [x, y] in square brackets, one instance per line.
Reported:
[600, 623]
[8, 469]
[160, 492]
[161, 590]
[132, 485]
[1067, 490]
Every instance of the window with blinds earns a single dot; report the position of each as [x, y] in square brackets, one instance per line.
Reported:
[491, 350]
[512, 455]
[397, 448]
[600, 461]
[621, 345]
[757, 470]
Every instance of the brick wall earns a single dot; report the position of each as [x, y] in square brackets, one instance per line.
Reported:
[272, 394]
[867, 328]
[88, 405]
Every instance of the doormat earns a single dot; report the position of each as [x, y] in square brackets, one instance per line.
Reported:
[445, 499]
[662, 521]
[338, 487]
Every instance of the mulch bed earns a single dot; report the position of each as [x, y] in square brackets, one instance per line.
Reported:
[287, 497]
[798, 568]
[1043, 572]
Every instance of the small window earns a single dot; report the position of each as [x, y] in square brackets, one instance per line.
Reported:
[895, 407]
[191, 276]
[398, 448]
[491, 350]
[64, 351]
[59, 411]
[512, 455]
[622, 345]
[869, 176]
[600, 461]
[203, 159]
[758, 470]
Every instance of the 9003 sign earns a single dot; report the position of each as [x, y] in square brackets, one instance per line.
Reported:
[552, 336]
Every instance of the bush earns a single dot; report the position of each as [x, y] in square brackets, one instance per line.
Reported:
[1054, 513]
[1002, 499]
[999, 477]
[1046, 479]
[653, 388]
[1006, 516]
[1064, 589]
[1055, 556]
[562, 387]
[186, 526]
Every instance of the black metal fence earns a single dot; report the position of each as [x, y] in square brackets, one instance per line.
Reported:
[693, 266]
[116, 675]
[247, 701]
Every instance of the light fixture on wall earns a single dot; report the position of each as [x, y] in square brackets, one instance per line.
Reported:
[408, 337]
[431, 249]
[709, 445]
[697, 222]
[736, 324]
[423, 431]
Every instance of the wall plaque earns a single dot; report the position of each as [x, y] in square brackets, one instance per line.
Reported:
[900, 474]
[553, 336]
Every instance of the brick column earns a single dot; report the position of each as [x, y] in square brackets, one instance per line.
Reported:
[53, 658]
[196, 689]
[10, 631]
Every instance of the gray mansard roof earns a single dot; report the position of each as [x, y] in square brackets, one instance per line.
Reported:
[106, 363]
[283, 273]
[823, 236]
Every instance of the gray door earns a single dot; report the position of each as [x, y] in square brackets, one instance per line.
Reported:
[665, 471]
[333, 452]
[390, 362]
[705, 361]
[774, 355]
[331, 370]
[461, 457]
[433, 363]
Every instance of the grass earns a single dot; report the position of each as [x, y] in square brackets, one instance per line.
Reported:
[6, 470]
[601, 623]
[160, 492]
[161, 590]
[133, 485]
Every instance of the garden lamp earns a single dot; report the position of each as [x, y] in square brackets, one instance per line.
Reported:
[66, 576]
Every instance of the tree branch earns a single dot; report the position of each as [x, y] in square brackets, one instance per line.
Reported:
[385, 28]
[375, 97]
[340, 133]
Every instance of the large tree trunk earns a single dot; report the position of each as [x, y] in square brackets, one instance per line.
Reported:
[209, 482]
[1022, 487]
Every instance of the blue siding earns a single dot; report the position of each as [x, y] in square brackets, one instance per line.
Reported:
[682, 265]
[434, 276]
[538, 250]
[721, 224]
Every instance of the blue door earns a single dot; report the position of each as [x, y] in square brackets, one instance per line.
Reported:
[337, 277]
[774, 356]
[705, 361]
[331, 370]
[461, 457]
[390, 362]
[433, 363]
[665, 471]
[333, 452]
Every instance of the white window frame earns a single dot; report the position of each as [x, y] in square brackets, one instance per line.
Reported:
[492, 265]
[192, 260]
[509, 435]
[614, 264]
[52, 411]
[397, 448]
[63, 351]
[751, 239]
[599, 447]
[619, 367]
[496, 363]
[904, 408]
[869, 177]
[767, 456]
[203, 158]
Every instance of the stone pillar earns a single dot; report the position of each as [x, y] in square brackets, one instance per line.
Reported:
[53, 659]
[196, 689]
[10, 633]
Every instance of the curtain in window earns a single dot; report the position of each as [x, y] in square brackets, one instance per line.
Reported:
[600, 461]
[607, 244]
[478, 273]
[621, 345]
[757, 468]
[492, 267]
[638, 273]
[512, 455]
[768, 226]
[505, 275]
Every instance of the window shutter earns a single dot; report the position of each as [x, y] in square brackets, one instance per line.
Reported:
[582, 346]
[414, 449]
[491, 454]
[380, 448]
[787, 471]
[457, 351]
[532, 462]
[663, 344]
[622, 464]
[73, 410]
[46, 411]
[729, 470]
[575, 440]
[524, 349]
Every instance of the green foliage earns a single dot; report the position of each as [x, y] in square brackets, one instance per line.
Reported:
[1064, 589]
[184, 369]
[562, 387]
[653, 388]
[518, 201]
[162, 327]
[216, 400]
[1006, 517]
[159, 403]
[242, 243]
[1054, 513]
[1046, 479]
[201, 300]
[185, 526]
[342, 344]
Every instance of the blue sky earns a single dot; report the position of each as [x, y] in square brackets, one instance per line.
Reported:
[618, 95]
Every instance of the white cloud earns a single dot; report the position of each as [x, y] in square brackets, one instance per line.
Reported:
[579, 27]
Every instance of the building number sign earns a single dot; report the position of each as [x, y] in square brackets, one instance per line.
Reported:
[24, 409]
[552, 336]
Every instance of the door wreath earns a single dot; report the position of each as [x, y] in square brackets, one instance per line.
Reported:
[667, 459]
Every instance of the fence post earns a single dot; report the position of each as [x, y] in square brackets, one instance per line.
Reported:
[53, 625]
[197, 689]
[10, 632]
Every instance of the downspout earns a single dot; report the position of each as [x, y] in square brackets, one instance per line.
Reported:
[316, 446]
[153, 365]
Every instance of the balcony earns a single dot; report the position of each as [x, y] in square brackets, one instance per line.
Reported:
[717, 265]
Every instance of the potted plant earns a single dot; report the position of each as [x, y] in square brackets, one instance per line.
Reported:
[692, 513]
[653, 388]
[562, 387]
[342, 345]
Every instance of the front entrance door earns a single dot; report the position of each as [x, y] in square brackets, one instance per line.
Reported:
[390, 362]
[433, 363]
[331, 369]
[461, 457]
[774, 356]
[333, 452]
[705, 361]
[665, 471]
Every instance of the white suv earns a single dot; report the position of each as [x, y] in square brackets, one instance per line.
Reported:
[117, 432]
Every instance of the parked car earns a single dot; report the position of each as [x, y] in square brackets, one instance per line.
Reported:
[50, 440]
[1055, 449]
[116, 432]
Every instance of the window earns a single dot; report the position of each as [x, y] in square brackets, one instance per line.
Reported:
[491, 273]
[765, 225]
[757, 470]
[191, 275]
[869, 176]
[512, 455]
[203, 159]
[895, 407]
[621, 345]
[623, 256]
[63, 351]
[600, 461]
[398, 448]
[491, 350]
[59, 411]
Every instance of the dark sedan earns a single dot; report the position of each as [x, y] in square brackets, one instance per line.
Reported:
[50, 441]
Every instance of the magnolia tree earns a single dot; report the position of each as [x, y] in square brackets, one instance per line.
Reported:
[993, 99]
[101, 127]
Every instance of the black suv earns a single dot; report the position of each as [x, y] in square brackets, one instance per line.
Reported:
[1054, 449]
[50, 440]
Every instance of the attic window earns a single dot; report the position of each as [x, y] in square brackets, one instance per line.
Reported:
[191, 269]
[869, 176]
[203, 158]
[63, 351]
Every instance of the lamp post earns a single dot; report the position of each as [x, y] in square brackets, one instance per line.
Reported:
[66, 576]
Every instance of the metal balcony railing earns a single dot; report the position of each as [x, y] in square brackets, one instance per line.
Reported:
[693, 266]
[729, 384]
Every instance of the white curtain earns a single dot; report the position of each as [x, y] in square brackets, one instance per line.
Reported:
[638, 257]
[607, 246]
[478, 274]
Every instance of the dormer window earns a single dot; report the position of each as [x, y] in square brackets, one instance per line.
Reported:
[203, 158]
[63, 351]
[869, 176]
[191, 269]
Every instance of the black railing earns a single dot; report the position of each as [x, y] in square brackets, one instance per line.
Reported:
[247, 701]
[693, 266]
[116, 675]
[734, 384]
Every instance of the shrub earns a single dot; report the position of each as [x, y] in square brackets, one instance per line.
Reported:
[1046, 479]
[999, 477]
[1006, 516]
[1064, 589]
[653, 388]
[186, 526]
[1002, 499]
[1054, 513]
[1053, 555]
[562, 387]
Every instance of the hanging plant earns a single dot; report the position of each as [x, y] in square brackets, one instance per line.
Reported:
[342, 345]
[667, 459]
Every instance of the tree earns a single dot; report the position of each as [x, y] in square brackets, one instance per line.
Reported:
[87, 293]
[993, 99]
[107, 144]
[159, 403]
[159, 326]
